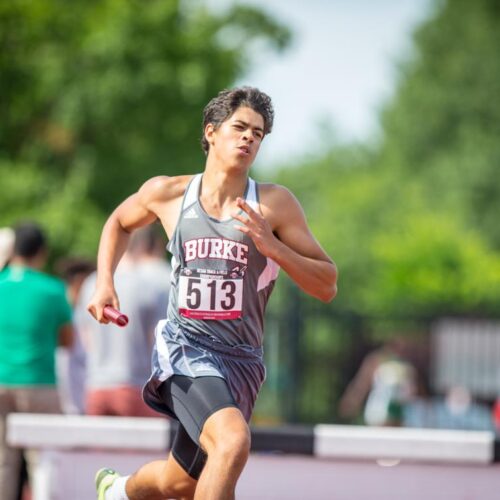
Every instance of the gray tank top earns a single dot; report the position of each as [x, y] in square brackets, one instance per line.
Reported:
[220, 282]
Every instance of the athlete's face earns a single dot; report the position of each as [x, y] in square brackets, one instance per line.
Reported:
[237, 140]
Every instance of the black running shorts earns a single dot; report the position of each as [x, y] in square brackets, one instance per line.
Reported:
[192, 401]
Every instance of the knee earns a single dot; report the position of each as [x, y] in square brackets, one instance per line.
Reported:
[226, 437]
[232, 446]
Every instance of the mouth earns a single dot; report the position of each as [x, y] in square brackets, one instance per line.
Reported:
[244, 149]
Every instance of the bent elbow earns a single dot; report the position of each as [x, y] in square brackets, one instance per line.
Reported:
[328, 295]
[331, 290]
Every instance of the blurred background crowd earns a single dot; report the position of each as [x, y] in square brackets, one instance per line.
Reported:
[98, 97]
[55, 358]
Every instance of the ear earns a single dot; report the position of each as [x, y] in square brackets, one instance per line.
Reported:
[209, 133]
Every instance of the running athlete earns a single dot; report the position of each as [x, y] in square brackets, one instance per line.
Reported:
[228, 237]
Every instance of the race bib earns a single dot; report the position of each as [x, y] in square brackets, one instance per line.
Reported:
[207, 296]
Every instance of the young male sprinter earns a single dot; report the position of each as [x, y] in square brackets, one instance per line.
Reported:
[228, 237]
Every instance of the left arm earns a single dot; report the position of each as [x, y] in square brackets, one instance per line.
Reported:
[282, 234]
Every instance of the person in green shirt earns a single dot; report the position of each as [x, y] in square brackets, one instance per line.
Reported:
[35, 318]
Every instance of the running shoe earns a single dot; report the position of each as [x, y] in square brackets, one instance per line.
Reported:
[103, 480]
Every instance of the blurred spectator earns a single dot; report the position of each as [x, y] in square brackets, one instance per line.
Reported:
[71, 363]
[384, 384]
[6, 245]
[35, 317]
[456, 410]
[119, 359]
[74, 271]
[495, 415]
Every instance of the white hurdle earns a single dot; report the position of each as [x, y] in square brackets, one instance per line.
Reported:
[72, 448]
[414, 445]
[74, 432]
[79, 445]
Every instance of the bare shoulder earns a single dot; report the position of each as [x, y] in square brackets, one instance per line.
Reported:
[163, 189]
[273, 193]
[278, 203]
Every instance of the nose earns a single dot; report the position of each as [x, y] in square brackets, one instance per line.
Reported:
[248, 136]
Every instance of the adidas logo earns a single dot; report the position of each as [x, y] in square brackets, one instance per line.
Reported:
[191, 214]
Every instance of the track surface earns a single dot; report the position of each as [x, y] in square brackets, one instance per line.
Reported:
[286, 477]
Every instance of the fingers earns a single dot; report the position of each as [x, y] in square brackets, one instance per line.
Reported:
[248, 226]
[253, 216]
[92, 310]
[241, 218]
[247, 208]
[254, 224]
[97, 305]
[97, 311]
[243, 229]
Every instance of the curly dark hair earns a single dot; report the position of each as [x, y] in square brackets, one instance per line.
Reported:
[222, 107]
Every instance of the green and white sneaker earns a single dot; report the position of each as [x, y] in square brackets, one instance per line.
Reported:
[103, 480]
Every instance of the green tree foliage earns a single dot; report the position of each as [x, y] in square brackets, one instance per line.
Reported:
[118, 86]
[412, 222]
[443, 125]
[397, 255]
[96, 97]
[59, 203]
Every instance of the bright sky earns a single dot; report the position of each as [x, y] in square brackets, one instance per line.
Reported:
[339, 70]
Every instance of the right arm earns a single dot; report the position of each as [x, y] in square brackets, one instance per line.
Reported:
[140, 209]
[358, 389]
[66, 336]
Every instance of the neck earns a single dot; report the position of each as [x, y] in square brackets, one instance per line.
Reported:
[32, 263]
[219, 191]
[223, 185]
